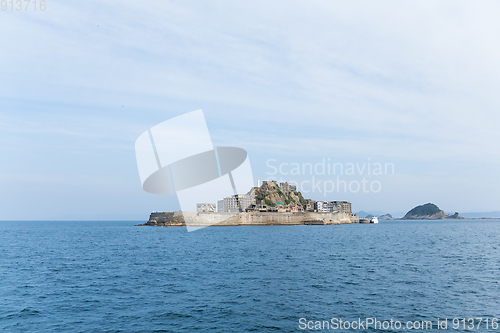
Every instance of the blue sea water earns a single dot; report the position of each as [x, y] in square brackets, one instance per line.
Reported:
[116, 277]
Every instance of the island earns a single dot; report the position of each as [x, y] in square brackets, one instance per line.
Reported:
[268, 204]
[429, 211]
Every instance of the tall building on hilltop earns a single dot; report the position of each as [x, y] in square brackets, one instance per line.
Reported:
[287, 188]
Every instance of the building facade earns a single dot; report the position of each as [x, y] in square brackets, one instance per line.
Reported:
[235, 203]
[310, 205]
[334, 206]
[343, 206]
[287, 188]
[205, 208]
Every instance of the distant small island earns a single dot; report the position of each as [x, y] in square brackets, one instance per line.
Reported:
[429, 211]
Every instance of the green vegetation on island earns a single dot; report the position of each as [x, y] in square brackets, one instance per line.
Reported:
[422, 210]
[273, 195]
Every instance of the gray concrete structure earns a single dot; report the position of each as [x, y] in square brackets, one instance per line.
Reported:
[205, 208]
[235, 203]
[287, 188]
[334, 206]
[249, 218]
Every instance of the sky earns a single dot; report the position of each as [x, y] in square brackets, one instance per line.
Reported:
[413, 85]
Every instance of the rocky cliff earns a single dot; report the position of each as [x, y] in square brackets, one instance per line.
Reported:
[272, 195]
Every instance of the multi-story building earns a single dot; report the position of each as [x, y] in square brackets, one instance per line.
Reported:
[205, 208]
[343, 206]
[310, 205]
[235, 203]
[334, 206]
[287, 188]
[322, 206]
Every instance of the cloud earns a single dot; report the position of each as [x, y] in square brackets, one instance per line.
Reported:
[406, 81]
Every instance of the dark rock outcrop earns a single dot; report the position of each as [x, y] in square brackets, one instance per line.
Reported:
[429, 211]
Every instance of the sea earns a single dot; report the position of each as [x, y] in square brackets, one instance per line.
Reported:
[113, 276]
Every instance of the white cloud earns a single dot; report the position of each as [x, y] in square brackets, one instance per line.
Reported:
[403, 80]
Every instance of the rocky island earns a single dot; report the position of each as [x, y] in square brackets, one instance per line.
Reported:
[429, 211]
[268, 204]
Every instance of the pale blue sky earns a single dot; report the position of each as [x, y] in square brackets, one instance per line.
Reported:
[409, 83]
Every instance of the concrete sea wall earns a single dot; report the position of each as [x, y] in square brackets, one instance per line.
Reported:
[250, 218]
